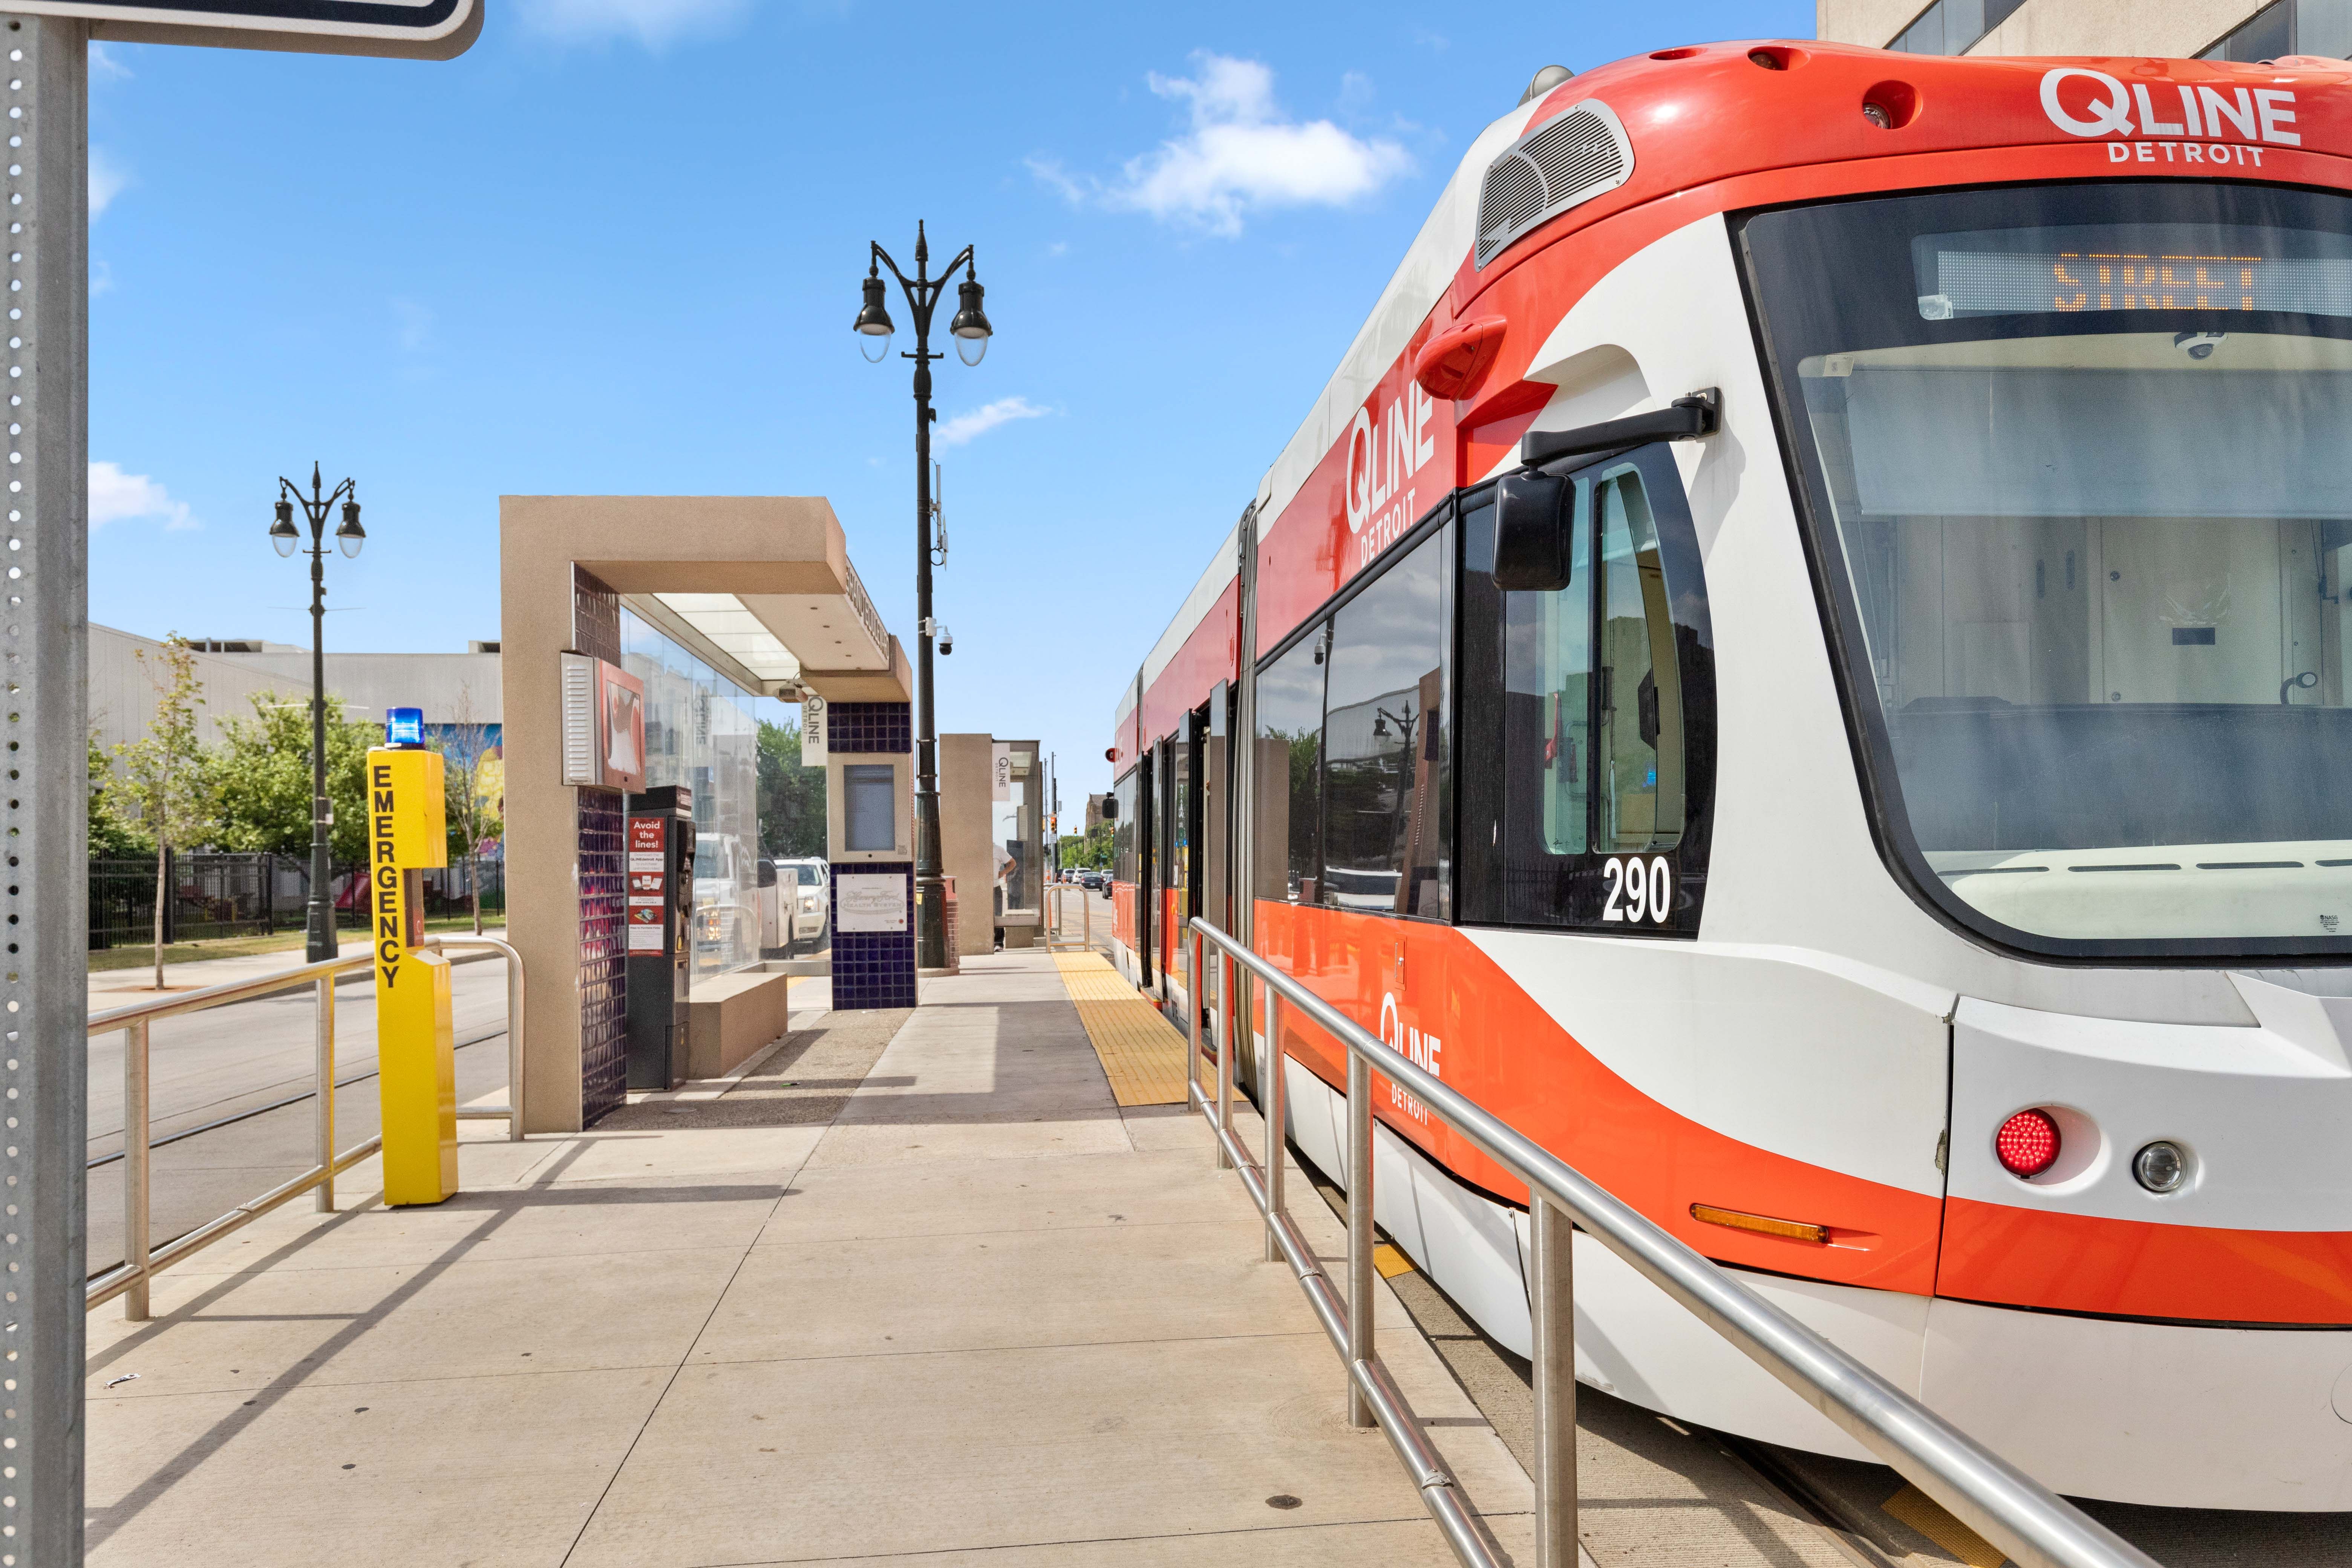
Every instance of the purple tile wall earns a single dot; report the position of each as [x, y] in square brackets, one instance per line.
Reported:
[870, 727]
[873, 969]
[604, 966]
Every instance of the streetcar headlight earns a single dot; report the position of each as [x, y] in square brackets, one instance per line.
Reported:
[2160, 1167]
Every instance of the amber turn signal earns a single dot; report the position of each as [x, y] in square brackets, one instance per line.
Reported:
[1762, 1225]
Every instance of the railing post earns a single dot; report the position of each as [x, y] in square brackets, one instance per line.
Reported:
[1269, 1098]
[1224, 1067]
[1359, 1229]
[515, 1041]
[322, 1104]
[1552, 1261]
[135, 1135]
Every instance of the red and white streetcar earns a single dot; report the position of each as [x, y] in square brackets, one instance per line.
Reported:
[1801, 661]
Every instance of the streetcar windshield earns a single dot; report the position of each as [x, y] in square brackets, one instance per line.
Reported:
[2079, 456]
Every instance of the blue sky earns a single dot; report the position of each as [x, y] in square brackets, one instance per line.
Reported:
[616, 248]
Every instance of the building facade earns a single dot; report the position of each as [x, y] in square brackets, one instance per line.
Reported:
[2172, 29]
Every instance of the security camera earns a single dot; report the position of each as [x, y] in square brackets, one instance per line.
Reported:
[947, 642]
[2198, 345]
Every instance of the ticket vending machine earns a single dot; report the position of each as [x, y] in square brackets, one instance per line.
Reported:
[661, 924]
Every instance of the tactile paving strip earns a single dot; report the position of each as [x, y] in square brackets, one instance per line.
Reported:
[1141, 1053]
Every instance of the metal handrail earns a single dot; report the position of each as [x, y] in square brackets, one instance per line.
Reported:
[141, 1262]
[1054, 928]
[2033, 1526]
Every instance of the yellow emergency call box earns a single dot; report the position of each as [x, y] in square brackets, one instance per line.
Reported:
[415, 1055]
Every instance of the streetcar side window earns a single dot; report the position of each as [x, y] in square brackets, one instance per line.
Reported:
[1289, 769]
[1587, 716]
[1387, 839]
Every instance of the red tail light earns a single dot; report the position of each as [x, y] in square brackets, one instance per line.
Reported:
[2027, 1144]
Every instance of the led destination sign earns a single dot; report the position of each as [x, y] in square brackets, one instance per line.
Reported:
[2060, 269]
[2024, 283]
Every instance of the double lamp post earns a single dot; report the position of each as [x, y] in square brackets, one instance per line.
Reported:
[349, 537]
[972, 331]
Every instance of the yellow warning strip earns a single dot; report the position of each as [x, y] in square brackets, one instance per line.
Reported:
[1925, 1515]
[1390, 1261]
[1141, 1053]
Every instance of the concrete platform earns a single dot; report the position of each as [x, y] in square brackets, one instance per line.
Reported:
[927, 1294]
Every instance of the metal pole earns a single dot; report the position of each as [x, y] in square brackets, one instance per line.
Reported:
[1552, 1261]
[322, 1103]
[1270, 1100]
[931, 887]
[137, 1130]
[320, 941]
[46, 635]
[1359, 1229]
[1224, 1061]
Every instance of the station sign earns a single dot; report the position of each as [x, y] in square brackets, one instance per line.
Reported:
[813, 726]
[421, 29]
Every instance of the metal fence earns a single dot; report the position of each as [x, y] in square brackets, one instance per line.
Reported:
[213, 894]
[142, 1259]
[1991, 1497]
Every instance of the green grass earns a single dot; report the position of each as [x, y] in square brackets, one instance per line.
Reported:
[144, 957]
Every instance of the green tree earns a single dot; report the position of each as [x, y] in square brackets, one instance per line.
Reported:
[114, 830]
[1093, 851]
[264, 773]
[165, 774]
[791, 797]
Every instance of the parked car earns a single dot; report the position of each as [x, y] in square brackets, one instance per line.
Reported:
[806, 886]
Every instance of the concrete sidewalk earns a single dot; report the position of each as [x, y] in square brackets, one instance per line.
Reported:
[914, 1289]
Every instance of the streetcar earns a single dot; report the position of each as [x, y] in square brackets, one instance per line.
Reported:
[1800, 659]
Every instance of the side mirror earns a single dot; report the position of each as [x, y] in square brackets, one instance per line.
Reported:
[1533, 520]
[1110, 811]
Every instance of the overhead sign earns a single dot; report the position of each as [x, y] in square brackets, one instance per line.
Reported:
[425, 29]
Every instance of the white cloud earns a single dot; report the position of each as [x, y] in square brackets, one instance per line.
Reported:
[118, 496]
[1242, 155]
[964, 428]
[107, 179]
[655, 23]
[103, 63]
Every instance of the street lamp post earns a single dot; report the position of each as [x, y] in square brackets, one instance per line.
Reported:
[971, 330]
[349, 537]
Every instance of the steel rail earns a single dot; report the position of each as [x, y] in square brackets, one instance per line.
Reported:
[2033, 1526]
[142, 1261]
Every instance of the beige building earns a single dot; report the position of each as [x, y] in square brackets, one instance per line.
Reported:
[451, 687]
[2177, 30]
